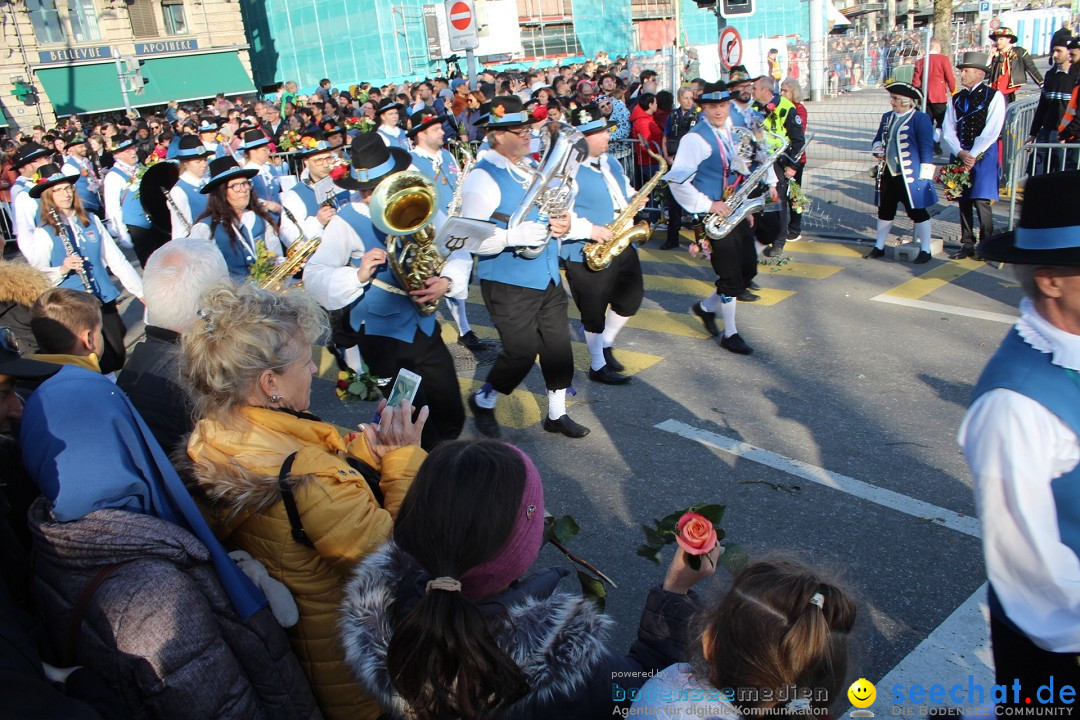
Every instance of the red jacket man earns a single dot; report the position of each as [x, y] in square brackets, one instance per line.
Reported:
[940, 85]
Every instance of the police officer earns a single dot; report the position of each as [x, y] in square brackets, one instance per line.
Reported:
[780, 118]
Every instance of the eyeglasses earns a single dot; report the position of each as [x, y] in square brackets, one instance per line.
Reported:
[238, 186]
[63, 188]
[521, 132]
[327, 160]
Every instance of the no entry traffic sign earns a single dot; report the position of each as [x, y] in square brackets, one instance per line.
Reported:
[461, 25]
[730, 48]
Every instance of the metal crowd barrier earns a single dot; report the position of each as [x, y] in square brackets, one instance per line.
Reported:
[1018, 117]
[1055, 157]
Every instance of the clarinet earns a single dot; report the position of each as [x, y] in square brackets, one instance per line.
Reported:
[68, 239]
[176, 209]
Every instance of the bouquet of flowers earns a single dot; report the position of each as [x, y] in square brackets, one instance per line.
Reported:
[357, 386]
[800, 203]
[700, 245]
[697, 531]
[140, 170]
[290, 141]
[363, 124]
[265, 262]
[955, 178]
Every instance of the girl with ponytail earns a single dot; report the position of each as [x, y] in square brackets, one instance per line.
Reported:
[442, 622]
[778, 638]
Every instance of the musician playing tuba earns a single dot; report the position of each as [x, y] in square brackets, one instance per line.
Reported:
[708, 169]
[350, 272]
[607, 298]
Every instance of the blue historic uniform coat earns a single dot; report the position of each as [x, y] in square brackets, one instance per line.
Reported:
[908, 142]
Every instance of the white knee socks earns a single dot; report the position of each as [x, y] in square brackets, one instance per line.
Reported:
[556, 403]
[595, 343]
[727, 312]
[883, 228]
[613, 323]
[922, 232]
[457, 311]
[710, 303]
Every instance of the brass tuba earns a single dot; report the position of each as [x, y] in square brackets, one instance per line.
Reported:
[598, 255]
[403, 207]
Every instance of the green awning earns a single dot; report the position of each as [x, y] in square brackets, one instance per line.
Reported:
[96, 88]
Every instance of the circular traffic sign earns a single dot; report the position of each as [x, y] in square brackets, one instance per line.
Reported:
[460, 16]
[730, 48]
[995, 24]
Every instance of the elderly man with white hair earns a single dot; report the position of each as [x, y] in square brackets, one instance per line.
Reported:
[176, 277]
[1021, 437]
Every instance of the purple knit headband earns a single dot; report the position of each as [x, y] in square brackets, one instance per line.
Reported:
[521, 548]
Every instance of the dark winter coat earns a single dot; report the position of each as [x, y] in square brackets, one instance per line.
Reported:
[160, 629]
[559, 640]
[151, 380]
[20, 286]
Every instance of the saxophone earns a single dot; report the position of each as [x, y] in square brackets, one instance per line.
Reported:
[598, 255]
[295, 257]
[717, 226]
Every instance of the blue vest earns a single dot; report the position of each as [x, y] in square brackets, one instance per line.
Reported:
[132, 210]
[592, 202]
[737, 117]
[88, 242]
[307, 195]
[196, 200]
[270, 191]
[506, 267]
[397, 141]
[22, 184]
[1021, 368]
[90, 199]
[239, 255]
[713, 171]
[380, 312]
[447, 179]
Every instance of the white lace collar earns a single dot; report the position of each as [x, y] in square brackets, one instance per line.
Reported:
[1044, 337]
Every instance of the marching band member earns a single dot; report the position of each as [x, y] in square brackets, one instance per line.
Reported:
[905, 141]
[208, 136]
[973, 123]
[88, 185]
[388, 116]
[431, 158]
[266, 184]
[708, 157]
[186, 196]
[745, 115]
[96, 254]
[607, 298]
[315, 199]
[123, 214]
[27, 160]
[523, 296]
[349, 272]
[234, 219]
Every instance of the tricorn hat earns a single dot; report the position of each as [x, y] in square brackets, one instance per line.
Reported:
[1049, 228]
[224, 169]
[904, 89]
[977, 60]
[370, 161]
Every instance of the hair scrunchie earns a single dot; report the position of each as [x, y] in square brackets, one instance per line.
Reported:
[447, 584]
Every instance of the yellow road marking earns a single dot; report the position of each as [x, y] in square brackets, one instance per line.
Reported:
[700, 288]
[825, 248]
[519, 409]
[794, 269]
[326, 361]
[934, 279]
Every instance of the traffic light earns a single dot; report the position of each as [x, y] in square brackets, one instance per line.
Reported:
[134, 71]
[736, 8]
[25, 92]
[703, 4]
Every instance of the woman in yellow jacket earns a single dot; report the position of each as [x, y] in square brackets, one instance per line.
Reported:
[293, 491]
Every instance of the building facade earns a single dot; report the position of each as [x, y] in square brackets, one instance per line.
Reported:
[67, 50]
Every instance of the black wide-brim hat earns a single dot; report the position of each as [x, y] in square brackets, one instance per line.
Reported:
[370, 161]
[73, 139]
[738, 75]
[224, 169]
[50, 175]
[716, 92]
[977, 60]
[1004, 32]
[191, 148]
[421, 120]
[588, 119]
[1049, 228]
[314, 143]
[507, 113]
[388, 104]
[28, 153]
[904, 89]
[252, 139]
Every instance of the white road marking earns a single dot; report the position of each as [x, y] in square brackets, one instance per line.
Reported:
[950, 309]
[880, 496]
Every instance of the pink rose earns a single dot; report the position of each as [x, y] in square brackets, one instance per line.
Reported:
[694, 250]
[695, 534]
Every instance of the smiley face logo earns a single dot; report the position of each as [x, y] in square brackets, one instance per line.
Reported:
[862, 693]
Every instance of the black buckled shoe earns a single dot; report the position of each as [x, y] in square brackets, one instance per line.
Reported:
[608, 376]
[708, 319]
[470, 341]
[875, 253]
[736, 345]
[747, 296]
[922, 257]
[609, 359]
[966, 250]
[486, 424]
[566, 426]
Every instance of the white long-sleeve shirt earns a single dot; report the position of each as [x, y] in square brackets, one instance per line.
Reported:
[179, 226]
[580, 227]
[1016, 448]
[114, 186]
[693, 150]
[480, 197]
[310, 224]
[995, 118]
[25, 210]
[38, 253]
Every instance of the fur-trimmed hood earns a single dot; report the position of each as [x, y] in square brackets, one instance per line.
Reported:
[556, 638]
[20, 283]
